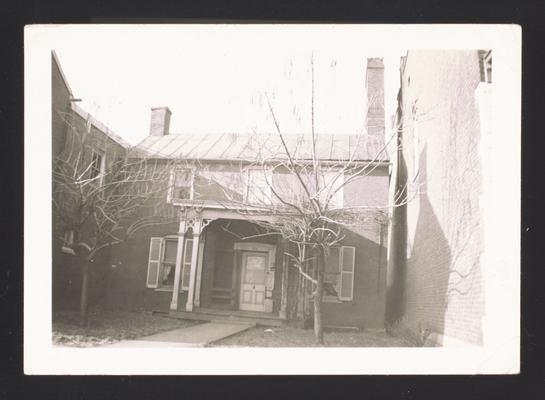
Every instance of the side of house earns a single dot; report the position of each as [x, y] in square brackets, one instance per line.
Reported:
[436, 277]
[73, 132]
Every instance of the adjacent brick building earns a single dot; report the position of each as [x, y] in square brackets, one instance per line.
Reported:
[436, 275]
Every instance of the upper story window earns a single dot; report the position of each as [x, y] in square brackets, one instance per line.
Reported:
[259, 183]
[181, 187]
[98, 166]
[486, 65]
[332, 191]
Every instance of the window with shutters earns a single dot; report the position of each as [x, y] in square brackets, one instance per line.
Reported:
[339, 274]
[162, 263]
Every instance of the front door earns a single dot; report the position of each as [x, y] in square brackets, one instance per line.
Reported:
[252, 286]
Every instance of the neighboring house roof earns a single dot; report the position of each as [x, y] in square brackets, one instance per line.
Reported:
[84, 114]
[100, 126]
[241, 147]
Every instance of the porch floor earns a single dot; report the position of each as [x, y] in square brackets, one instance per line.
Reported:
[232, 316]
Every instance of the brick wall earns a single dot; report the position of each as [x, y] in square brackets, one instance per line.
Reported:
[443, 282]
[68, 122]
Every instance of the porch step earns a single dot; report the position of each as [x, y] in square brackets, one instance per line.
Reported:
[233, 319]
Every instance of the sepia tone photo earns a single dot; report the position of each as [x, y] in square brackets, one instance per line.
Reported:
[221, 187]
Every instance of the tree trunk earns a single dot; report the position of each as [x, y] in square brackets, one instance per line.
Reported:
[320, 265]
[84, 301]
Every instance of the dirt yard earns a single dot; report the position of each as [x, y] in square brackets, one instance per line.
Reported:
[294, 337]
[108, 327]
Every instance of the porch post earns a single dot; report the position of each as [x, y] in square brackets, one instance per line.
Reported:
[193, 272]
[197, 300]
[178, 268]
[284, 294]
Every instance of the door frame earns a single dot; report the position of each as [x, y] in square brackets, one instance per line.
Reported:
[252, 306]
[269, 271]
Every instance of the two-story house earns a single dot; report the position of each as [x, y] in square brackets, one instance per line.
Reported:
[213, 259]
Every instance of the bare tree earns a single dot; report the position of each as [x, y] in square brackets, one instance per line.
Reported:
[298, 198]
[98, 203]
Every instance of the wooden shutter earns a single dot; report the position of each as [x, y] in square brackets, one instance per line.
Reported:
[186, 263]
[347, 260]
[154, 262]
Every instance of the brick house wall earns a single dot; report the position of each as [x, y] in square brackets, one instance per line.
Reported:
[67, 118]
[441, 278]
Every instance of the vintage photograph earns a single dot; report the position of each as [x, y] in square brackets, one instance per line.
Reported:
[247, 187]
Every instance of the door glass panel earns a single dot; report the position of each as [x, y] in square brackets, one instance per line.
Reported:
[255, 270]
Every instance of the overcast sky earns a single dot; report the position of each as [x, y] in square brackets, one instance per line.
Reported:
[216, 78]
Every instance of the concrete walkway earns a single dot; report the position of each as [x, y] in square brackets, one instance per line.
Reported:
[193, 336]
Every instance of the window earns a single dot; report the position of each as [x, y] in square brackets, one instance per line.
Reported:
[168, 263]
[162, 262]
[181, 187]
[332, 186]
[339, 274]
[258, 186]
[68, 242]
[485, 61]
[331, 275]
[97, 166]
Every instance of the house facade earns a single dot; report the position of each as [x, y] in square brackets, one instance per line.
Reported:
[439, 270]
[216, 256]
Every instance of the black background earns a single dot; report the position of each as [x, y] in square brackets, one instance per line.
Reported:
[529, 384]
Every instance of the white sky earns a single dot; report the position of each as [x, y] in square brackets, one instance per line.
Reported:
[214, 78]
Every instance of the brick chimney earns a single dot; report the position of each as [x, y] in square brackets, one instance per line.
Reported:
[374, 83]
[160, 121]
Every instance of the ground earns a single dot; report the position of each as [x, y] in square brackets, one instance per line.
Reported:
[108, 327]
[295, 337]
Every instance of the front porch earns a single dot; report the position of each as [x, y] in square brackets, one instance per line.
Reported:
[224, 271]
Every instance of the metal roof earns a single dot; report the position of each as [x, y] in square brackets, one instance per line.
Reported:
[249, 147]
